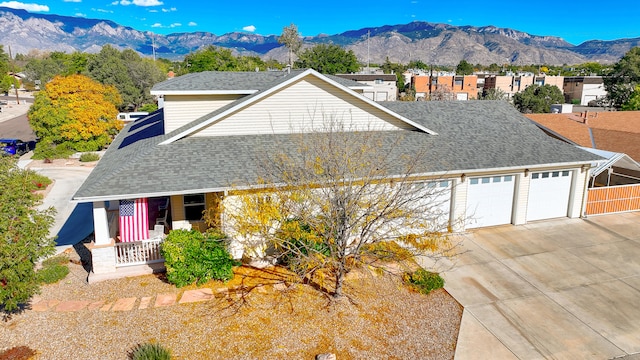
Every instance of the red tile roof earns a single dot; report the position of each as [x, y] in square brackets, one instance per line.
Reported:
[617, 131]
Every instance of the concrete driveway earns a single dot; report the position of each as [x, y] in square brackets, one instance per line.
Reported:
[559, 289]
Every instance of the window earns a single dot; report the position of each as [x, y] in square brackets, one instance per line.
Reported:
[194, 206]
[535, 175]
[486, 180]
[555, 174]
[497, 179]
[379, 81]
[474, 181]
[565, 173]
[545, 175]
[508, 178]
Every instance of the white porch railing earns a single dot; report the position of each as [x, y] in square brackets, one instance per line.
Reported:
[139, 252]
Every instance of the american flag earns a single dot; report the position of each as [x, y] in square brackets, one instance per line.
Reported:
[134, 220]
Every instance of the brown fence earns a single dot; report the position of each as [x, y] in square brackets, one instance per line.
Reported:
[613, 199]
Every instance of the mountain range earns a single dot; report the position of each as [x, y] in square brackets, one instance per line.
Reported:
[431, 43]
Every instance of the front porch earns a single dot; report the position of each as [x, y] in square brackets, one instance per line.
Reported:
[128, 234]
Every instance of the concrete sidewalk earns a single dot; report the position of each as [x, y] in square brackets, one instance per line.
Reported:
[559, 289]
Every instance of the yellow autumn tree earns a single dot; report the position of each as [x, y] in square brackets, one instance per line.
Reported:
[76, 113]
[337, 198]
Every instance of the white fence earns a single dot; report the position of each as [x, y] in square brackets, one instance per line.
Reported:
[139, 252]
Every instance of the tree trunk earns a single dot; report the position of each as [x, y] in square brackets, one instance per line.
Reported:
[339, 280]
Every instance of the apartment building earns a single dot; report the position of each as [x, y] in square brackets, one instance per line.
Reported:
[383, 86]
[512, 84]
[446, 86]
[584, 88]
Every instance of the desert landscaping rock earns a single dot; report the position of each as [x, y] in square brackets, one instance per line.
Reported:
[144, 302]
[125, 304]
[165, 300]
[197, 295]
[72, 305]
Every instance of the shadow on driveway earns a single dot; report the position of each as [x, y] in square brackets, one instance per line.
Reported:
[79, 225]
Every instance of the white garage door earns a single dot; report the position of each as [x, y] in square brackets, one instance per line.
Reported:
[548, 195]
[490, 200]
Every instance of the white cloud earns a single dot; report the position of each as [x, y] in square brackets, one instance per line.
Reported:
[192, 23]
[102, 10]
[138, 2]
[249, 28]
[169, 10]
[153, 11]
[80, 15]
[174, 25]
[157, 25]
[23, 6]
[72, 1]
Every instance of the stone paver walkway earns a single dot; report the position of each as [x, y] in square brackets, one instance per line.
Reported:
[129, 304]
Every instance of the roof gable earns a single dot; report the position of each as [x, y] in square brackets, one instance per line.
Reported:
[297, 103]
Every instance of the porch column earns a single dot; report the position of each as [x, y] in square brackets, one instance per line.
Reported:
[100, 223]
[103, 255]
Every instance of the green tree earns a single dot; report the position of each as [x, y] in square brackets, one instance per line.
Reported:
[464, 68]
[634, 100]
[538, 99]
[494, 94]
[75, 111]
[23, 234]
[328, 59]
[623, 79]
[108, 68]
[6, 82]
[211, 58]
[291, 39]
[394, 68]
[5, 62]
[143, 74]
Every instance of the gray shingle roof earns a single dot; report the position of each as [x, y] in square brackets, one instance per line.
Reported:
[472, 136]
[248, 81]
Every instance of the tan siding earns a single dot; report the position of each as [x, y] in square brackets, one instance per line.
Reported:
[300, 106]
[180, 110]
[578, 187]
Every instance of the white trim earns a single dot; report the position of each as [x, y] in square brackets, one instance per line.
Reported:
[512, 170]
[253, 99]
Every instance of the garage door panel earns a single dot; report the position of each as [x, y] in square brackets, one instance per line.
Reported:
[490, 200]
[549, 193]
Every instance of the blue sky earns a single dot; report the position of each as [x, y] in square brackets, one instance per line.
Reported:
[573, 20]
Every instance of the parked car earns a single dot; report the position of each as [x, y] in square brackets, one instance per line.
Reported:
[16, 146]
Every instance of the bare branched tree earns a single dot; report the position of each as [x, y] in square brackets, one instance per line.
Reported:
[339, 197]
[291, 39]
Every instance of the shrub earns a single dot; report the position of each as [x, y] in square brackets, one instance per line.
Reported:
[18, 353]
[88, 157]
[150, 351]
[46, 150]
[191, 257]
[38, 181]
[301, 246]
[423, 281]
[53, 270]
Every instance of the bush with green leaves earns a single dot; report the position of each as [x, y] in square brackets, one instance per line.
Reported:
[424, 281]
[48, 150]
[150, 351]
[192, 257]
[53, 269]
[300, 246]
[24, 235]
[88, 157]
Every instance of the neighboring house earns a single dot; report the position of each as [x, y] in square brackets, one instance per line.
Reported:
[495, 166]
[584, 89]
[512, 84]
[383, 86]
[614, 182]
[446, 87]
